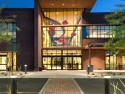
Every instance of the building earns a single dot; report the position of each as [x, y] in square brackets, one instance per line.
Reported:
[61, 35]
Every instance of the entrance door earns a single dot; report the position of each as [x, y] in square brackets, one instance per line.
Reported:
[56, 63]
[71, 63]
[52, 63]
[62, 63]
[110, 63]
[67, 63]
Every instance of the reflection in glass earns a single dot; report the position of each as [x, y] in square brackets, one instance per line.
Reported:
[99, 31]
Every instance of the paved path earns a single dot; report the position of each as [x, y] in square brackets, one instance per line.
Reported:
[60, 86]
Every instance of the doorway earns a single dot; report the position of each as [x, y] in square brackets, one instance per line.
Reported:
[110, 63]
[62, 63]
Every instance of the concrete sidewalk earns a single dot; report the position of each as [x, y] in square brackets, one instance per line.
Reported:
[65, 74]
[71, 73]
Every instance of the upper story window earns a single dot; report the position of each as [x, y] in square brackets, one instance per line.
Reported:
[61, 36]
[97, 31]
[60, 28]
[62, 16]
[9, 29]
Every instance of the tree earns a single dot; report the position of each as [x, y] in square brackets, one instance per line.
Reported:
[117, 18]
[8, 30]
[6, 34]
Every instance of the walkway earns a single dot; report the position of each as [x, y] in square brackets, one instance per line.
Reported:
[63, 81]
[61, 86]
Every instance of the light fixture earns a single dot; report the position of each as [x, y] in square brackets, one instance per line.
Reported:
[52, 4]
[73, 5]
[63, 4]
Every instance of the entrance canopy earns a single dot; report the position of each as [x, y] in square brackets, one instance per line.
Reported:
[95, 45]
[67, 3]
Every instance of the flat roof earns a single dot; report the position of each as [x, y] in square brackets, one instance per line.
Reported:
[67, 3]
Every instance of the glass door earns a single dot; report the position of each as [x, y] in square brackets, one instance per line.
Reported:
[62, 63]
[56, 63]
[52, 63]
[67, 63]
[107, 63]
[71, 63]
[77, 63]
[110, 63]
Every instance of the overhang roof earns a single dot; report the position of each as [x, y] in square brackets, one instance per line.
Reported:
[67, 3]
[96, 45]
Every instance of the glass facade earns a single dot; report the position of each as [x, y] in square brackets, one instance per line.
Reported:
[61, 35]
[8, 56]
[97, 31]
[60, 38]
[114, 62]
[60, 30]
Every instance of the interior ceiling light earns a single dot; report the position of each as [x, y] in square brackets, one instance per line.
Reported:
[52, 4]
[73, 5]
[63, 4]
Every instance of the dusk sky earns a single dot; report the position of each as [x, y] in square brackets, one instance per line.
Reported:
[100, 5]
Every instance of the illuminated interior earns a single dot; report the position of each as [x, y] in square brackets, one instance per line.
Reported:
[99, 31]
[110, 62]
[113, 62]
[6, 61]
[62, 59]
[61, 35]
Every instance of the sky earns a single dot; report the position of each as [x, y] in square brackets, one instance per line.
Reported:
[100, 5]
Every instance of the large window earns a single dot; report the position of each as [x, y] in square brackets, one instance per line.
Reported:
[97, 31]
[56, 30]
[62, 37]
[10, 29]
[57, 16]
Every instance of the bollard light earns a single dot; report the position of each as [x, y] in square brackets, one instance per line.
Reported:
[13, 84]
[106, 82]
[88, 68]
[25, 68]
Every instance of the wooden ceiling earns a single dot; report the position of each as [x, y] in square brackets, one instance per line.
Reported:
[67, 3]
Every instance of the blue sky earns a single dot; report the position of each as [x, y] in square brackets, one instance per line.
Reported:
[106, 5]
[100, 5]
